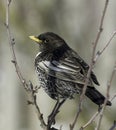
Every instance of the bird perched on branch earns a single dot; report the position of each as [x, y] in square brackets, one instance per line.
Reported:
[61, 71]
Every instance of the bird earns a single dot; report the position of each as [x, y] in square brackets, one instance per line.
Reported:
[62, 72]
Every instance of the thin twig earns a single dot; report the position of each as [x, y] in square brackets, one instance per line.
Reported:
[76, 117]
[107, 44]
[90, 121]
[107, 97]
[112, 36]
[113, 97]
[91, 64]
[12, 43]
[18, 71]
[34, 101]
[101, 24]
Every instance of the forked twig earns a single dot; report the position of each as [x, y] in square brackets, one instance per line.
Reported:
[107, 97]
[91, 64]
[33, 91]
[12, 43]
[90, 121]
[107, 44]
[101, 111]
[28, 87]
[113, 97]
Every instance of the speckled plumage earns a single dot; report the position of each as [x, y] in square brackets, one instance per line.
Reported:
[62, 72]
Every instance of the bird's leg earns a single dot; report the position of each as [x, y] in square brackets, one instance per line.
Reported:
[51, 117]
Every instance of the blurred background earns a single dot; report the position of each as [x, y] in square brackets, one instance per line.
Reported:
[77, 22]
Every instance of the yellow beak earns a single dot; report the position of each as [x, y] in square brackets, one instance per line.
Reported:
[35, 39]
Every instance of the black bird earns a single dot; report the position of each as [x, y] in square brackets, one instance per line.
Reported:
[61, 71]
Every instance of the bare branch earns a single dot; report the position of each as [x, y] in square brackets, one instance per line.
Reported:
[29, 87]
[107, 97]
[113, 97]
[34, 102]
[102, 110]
[76, 117]
[12, 43]
[90, 121]
[91, 64]
[107, 44]
[100, 30]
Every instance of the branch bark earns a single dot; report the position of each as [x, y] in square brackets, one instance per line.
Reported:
[107, 97]
[29, 87]
[92, 63]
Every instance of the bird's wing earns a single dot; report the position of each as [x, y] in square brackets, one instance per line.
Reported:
[85, 67]
[67, 69]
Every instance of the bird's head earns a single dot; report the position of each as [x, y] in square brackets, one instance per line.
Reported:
[48, 41]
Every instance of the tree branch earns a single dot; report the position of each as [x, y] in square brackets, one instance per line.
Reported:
[91, 64]
[107, 44]
[113, 97]
[12, 43]
[107, 97]
[90, 121]
[29, 87]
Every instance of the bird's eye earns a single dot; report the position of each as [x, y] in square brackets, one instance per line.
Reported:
[46, 40]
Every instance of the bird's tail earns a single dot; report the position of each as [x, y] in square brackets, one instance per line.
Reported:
[96, 96]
